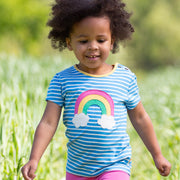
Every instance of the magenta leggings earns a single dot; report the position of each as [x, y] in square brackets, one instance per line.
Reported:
[110, 175]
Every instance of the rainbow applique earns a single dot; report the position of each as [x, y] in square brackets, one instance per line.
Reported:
[94, 97]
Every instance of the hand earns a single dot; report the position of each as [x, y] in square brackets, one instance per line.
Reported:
[28, 170]
[162, 165]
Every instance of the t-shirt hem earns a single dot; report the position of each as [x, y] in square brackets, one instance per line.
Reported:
[110, 170]
[132, 107]
[53, 102]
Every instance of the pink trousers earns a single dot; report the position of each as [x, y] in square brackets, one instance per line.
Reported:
[110, 175]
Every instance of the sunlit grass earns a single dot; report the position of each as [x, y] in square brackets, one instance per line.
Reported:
[160, 92]
[23, 86]
[23, 89]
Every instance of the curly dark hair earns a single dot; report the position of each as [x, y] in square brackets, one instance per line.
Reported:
[65, 13]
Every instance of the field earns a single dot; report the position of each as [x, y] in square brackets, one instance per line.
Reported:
[23, 86]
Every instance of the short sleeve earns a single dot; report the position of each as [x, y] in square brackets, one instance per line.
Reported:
[133, 94]
[54, 92]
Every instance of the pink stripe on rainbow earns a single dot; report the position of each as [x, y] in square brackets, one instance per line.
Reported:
[94, 92]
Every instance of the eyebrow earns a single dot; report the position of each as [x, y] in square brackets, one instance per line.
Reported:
[85, 36]
[81, 36]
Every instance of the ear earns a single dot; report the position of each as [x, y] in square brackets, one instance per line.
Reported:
[112, 43]
[68, 43]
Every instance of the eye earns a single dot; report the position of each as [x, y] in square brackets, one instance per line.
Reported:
[101, 40]
[83, 41]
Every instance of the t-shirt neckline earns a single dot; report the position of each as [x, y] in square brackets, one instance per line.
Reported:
[92, 75]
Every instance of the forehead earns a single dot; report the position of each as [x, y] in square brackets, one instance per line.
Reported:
[92, 25]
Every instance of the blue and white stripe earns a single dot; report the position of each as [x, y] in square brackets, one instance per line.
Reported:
[92, 149]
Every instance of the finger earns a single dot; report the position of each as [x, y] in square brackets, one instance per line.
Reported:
[165, 171]
[32, 173]
[24, 171]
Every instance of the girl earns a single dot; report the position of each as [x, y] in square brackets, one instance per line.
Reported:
[96, 96]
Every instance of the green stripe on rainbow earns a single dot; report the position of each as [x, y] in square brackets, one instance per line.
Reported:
[96, 102]
[95, 97]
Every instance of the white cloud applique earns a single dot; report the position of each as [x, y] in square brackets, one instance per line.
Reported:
[107, 122]
[80, 120]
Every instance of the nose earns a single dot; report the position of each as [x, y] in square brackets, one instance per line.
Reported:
[92, 46]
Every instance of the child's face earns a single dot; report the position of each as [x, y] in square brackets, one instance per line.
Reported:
[91, 42]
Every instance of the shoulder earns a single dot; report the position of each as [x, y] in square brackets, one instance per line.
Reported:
[65, 73]
[123, 68]
[125, 71]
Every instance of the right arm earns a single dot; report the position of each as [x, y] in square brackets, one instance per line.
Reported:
[43, 135]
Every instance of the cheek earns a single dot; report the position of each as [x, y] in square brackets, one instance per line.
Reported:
[81, 49]
[107, 50]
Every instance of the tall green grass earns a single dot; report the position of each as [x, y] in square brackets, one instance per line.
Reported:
[23, 86]
[160, 92]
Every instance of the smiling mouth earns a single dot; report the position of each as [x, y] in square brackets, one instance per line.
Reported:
[93, 56]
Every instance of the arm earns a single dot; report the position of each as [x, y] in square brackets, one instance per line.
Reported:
[143, 125]
[43, 135]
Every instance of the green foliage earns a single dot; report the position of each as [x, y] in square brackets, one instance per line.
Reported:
[23, 89]
[157, 39]
[24, 83]
[155, 43]
[22, 24]
[160, 92]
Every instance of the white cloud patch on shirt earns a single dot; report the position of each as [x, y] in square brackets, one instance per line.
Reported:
[107, 122]
[80, 120]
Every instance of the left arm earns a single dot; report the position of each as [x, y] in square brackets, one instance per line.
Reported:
[143, 125]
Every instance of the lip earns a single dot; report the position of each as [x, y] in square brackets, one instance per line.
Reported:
[93, 57]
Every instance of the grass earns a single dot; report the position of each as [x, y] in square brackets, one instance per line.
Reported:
[160, 92]
[23, 86]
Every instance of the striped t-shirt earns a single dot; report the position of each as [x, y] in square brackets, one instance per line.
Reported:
[95, 116]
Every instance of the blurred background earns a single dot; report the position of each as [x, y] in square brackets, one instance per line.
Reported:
[28, 62]
[155, 43]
